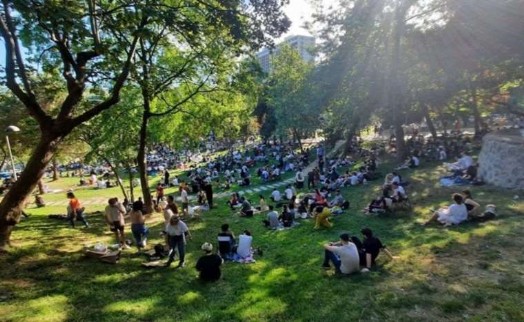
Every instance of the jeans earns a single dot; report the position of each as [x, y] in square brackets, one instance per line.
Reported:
[79, 217]
[178, 242]
[140, 232]
[330, 256]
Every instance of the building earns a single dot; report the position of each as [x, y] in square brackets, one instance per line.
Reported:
[303, 44]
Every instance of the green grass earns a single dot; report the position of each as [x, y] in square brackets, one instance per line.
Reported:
[471, 272]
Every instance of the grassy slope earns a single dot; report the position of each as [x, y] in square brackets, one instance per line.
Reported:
[473, 271]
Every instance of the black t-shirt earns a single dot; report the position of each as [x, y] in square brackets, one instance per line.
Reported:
[372, 246]
[209, 267]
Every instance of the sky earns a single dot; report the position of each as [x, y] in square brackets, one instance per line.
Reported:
[298, 11]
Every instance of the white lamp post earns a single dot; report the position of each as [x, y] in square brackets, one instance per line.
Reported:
[11, 129]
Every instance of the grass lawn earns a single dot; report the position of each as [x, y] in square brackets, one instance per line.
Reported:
[471, 272]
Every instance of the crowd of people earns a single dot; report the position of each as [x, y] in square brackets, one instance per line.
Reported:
[320, 200]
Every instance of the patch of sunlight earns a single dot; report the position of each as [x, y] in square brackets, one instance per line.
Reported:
[457, 288]
[141, 306]
[276, 275]
[115, 278]
[47, 308]
[189, 297]
[265, 308]
[257, 266]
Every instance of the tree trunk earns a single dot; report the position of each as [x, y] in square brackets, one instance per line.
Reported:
[55, 169]
[41, 188]
[131, 188]
[429, 122]
[297, 138]
[475, 109]
[12, 204]
[118, 181]
[400, 144]
[142, 166]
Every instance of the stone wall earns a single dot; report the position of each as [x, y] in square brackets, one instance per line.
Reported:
[502, 159]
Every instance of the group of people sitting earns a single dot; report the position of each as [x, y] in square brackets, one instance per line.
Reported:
[463, 208]
[350, 254]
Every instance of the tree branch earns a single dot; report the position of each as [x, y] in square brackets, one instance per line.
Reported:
[172, 108]
[119, 84]
[15, 68]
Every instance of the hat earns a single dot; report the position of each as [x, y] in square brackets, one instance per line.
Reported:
[344, 237]
[207, 247]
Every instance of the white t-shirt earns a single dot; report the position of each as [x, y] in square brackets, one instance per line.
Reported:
[416, 161]
[442, 155]
[354, 180]
[276, 195]
[465, 162]
[400, 192]
[289, 193]
[454, 214]
[299, 177]
[349, 258]
[183, 195]
[244, 245]
[177, 230]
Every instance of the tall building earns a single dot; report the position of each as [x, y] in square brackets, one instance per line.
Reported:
[303, 44]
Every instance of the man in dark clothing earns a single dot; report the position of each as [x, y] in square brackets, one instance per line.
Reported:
[208, 189]
[209, 264]
[369, 249]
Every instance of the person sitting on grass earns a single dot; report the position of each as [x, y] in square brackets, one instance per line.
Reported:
[286, 217]
[276, 196]
[208, 265]
[370, 249]
[338, 200]
[343, 254]
[377, 206]
[262, 204]
[234, 201]
[272, 219]
[399, 193]
[226, 242]
[321, 216]
[246, 210]
[452, 215]
[245, 241]
[318, 200]
[473, 207]
[138, 227]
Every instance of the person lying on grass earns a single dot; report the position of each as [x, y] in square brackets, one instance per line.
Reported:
[343, 255]
[452, 215]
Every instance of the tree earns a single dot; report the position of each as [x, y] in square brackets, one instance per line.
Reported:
[291, 93]
[76, 41]
[176, 65]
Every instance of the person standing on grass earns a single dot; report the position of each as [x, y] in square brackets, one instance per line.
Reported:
[138, 227]
[177, 231]
[159, 192]
[208, 265]
[114, 214]
[343, 254]
[208, 189]
[185, 200]
[75, 211]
